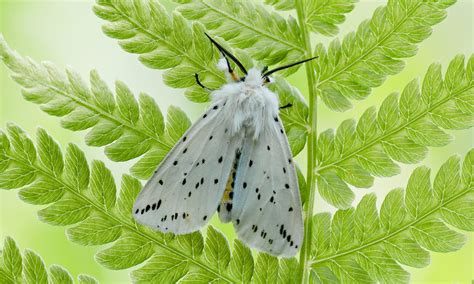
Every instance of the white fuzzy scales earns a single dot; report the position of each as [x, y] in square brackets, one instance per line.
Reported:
[240, 130]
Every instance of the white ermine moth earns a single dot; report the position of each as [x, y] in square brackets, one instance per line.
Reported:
[235, 159]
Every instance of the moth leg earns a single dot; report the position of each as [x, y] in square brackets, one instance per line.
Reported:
[200, 84]
[286, 106]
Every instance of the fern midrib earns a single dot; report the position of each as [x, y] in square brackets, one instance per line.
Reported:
[394, 131]
[315, 11]
[377, 44]
[166, 270]
[168, 44]
[293, 122]
[374, 263]
[465, 191]
[252, 28]
[128, 226]
[348, 273]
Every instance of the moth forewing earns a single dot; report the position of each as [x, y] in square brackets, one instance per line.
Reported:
[267, 208]
[187, 187]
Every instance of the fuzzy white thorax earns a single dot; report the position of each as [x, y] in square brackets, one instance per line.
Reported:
[249, 104]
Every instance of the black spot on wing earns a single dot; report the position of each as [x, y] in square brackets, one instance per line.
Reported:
[254, 228]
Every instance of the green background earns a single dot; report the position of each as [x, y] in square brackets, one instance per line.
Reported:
[69, 34]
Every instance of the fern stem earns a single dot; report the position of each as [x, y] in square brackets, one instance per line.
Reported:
[312, 142]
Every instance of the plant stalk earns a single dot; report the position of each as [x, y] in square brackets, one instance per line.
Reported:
[311, 146]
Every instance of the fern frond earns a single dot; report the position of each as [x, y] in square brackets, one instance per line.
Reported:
[349, 70]
[363, 245]
[265, 35]
[322, 16]
[85, 197]
[119, 121]
[30, 268]
[401, 131]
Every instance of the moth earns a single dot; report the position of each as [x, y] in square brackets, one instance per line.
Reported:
[235, 160]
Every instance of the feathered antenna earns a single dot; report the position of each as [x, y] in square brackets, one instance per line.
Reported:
[232, 57]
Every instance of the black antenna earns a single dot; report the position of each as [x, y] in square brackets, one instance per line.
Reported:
[287, 66]
[225, 52]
